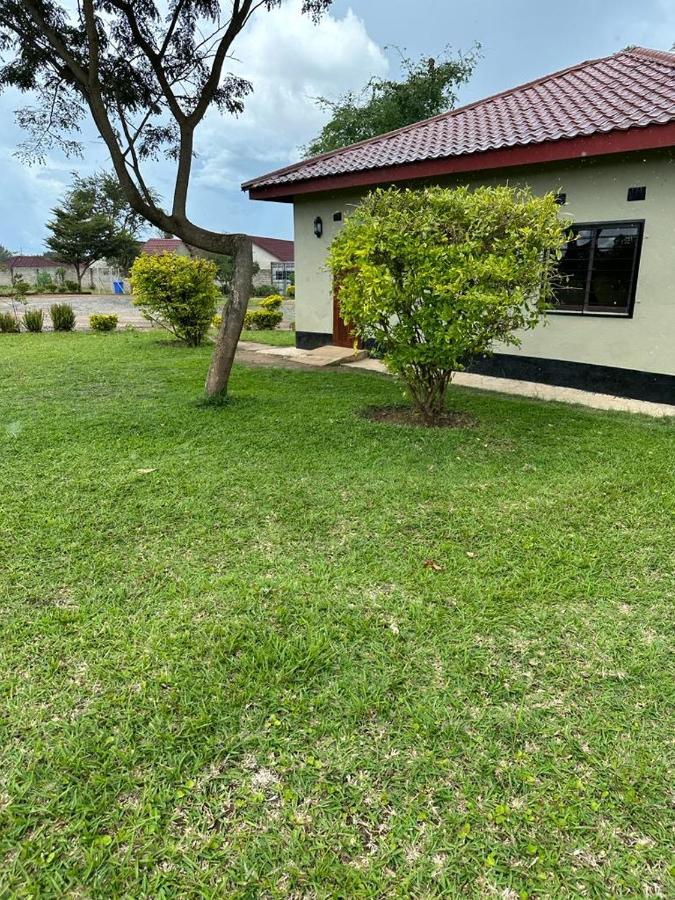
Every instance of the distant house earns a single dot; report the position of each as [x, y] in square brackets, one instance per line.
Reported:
[601, 136]
[157, 246]
[276, 259]
[29, 267]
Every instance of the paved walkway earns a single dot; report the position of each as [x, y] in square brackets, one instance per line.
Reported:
[480, 382]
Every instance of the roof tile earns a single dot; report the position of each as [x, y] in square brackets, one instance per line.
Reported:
[631, 89]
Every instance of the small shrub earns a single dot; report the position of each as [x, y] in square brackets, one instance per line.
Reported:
[71, 286]
[272, 302]
[290, 291]
[217, 320]
[63, 316]
[8, 324]
[34, 320]
[44, 283]
[177, 292]
[102, 322]
[263, 290]
[262, 319]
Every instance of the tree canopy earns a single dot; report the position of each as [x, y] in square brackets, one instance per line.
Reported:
[428, 87]
[5, 254]
[81, 233]
[146, 73]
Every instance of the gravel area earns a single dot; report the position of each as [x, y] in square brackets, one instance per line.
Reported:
[120, 305]
[85, 305]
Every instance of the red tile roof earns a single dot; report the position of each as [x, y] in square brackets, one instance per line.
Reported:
[156, 246]
[283, 250]
[30, 262]
[632, 89]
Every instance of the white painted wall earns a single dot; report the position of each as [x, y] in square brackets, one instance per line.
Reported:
[596, 192]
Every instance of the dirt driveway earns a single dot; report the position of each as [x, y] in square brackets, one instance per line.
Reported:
[120, 305]
[85, 305]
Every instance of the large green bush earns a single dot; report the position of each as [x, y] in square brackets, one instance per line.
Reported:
[177, 292]
[436, 276]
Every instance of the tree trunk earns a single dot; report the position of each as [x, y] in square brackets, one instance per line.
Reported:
[233, 319]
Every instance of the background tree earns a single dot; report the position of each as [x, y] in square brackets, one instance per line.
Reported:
[225, 270]
[80, 235]
[428, 87]
[435, 277]
[5, 254]
[146, 72]
[103, 193]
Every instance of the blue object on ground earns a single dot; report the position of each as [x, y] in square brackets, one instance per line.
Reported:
[118, 287]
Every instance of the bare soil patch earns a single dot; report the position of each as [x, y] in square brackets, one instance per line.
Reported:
[406, 415]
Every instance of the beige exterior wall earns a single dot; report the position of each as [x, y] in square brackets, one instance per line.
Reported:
[596, 192]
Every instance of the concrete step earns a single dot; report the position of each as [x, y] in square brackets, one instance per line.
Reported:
[331, 356]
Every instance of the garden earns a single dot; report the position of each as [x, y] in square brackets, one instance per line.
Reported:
[273, 648]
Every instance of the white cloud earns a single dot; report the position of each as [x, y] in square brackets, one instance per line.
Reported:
[289, 61]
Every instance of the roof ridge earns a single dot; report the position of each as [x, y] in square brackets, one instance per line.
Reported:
[664, 56]
[445, 115]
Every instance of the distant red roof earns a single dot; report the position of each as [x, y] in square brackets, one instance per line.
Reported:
[283, 250]
[30, 262]
[156, 246]
[618, 103]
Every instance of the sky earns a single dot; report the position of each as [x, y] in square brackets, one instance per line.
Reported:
[291, 61]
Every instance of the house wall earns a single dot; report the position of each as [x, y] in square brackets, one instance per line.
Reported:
[29, 275]
[596, 192]
[264, 260]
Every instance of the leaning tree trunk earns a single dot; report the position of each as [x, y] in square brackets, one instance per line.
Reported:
[233, 319]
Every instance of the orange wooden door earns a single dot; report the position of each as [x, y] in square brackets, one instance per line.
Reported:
[342, 336]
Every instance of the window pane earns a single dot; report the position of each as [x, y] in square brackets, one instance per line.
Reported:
[573, 270]
[611, 281]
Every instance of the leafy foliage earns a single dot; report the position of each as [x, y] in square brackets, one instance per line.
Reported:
[434, 277]
[103, 322]
[79, 234]
[263, 290]
[8, 323]
[146, 73]
[267, 316]
[33, 320]
[63, 316]
[225, 269]
[44, 282]
[5, 254]
[429, 87]
[177, 292]
[262, 319]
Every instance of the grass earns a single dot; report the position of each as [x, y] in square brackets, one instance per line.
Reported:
[276, 337]
[272, 649]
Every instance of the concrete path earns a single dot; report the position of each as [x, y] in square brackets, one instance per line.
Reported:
[465, 379]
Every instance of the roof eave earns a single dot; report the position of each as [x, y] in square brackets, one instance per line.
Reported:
[650, 137]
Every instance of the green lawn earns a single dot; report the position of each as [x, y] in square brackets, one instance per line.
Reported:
[272, 649]
[276, 337]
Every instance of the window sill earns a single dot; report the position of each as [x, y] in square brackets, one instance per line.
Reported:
[589, 315]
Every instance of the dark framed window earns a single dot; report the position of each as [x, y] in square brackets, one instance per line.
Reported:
[599, 269]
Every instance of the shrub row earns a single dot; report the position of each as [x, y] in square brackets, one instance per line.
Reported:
[62, 316]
